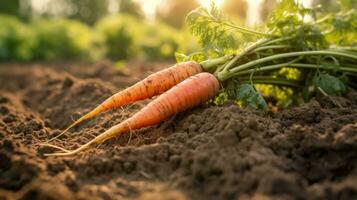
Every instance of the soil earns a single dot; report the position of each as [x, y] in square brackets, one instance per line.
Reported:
[210, 152]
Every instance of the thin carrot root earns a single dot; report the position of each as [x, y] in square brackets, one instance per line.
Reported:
[187, 94]
[153, 85]
[78, 121]
[54, 146]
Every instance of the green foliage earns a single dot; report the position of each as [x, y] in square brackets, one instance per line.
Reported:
[213, 34]
[289, 19]
[284, 96]
[126, 37]
[341, 27]
[119, 32]
[221, 98]
[118, 37]
[245, 94]
[130, 7]
[197, 57]
[158, 41]
[287, 16]
[44, 39]
[10, 7]
[329, 84]
[62, 39]
[87, 11]
[346, 5]
[16, 40]
[295, 44]
[289, 73]
[333, 6]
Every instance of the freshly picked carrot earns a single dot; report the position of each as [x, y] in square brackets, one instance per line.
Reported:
[153, 85]
[187, 94]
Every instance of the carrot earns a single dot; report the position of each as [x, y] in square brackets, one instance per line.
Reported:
[153, 85]
[187, 94]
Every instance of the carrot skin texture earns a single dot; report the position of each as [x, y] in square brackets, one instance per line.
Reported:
[153, 85]
[187, 94]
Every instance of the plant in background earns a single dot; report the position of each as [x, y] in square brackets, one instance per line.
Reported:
[17, 41]
[118, 37]
[62, 39]
[119, 33]
[158, 41]
[126, 37]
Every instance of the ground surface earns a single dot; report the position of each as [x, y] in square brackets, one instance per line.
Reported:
[209, 152]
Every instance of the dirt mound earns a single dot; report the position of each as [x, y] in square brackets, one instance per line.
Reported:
[210, 152]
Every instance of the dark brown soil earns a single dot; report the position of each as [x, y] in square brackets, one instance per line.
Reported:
[210, 152]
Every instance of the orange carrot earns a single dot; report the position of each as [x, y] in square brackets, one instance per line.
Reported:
[187, 94]
[153, 85]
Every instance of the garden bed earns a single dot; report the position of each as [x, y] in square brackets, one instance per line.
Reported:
[210, 152]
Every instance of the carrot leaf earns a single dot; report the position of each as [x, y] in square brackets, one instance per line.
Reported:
[197, 57]
[329, 84]
[246, 95]
[317, 47]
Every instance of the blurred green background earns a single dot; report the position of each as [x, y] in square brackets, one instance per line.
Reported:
[90, 30]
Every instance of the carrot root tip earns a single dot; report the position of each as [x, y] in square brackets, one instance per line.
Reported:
[59, 154]
[54, 146]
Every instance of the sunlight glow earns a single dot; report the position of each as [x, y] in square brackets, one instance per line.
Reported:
[306, 3]
[149, 7]
[255, 7]
[207, 3]
[253, 12]
[113, 6]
